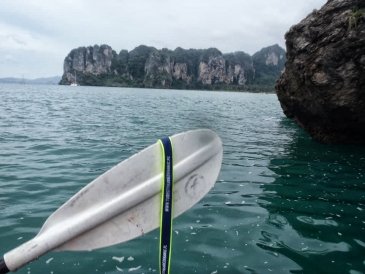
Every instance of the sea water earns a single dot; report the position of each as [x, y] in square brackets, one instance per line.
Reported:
[282, 203]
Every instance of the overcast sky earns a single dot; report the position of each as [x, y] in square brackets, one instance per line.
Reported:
[36, 35]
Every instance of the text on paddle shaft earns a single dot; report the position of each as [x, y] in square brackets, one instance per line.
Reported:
[164, 259]
[168, 184]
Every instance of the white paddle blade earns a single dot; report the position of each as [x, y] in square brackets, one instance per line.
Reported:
[124, 202]
[138, 180]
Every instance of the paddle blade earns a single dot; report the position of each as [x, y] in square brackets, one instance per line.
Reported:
[124, 202]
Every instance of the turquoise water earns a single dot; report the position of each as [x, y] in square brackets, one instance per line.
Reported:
[282, 204]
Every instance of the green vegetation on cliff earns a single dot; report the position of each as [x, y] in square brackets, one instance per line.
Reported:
[268, 63]
[179, 69]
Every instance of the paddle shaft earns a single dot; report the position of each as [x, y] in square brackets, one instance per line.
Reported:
[3, 267]
[166, 207]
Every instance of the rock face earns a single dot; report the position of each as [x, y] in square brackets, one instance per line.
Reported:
[323, 86]
[94, 60]
[189, 69]
[269, 63]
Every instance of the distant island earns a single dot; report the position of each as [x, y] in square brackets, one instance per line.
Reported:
[38, 81]
[148, 67]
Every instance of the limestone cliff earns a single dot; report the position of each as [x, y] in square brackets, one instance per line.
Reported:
[323, 86]
[96, 60]
[269, 63]
[190, 69]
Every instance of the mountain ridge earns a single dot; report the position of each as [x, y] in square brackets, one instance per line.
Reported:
[37, 81]
[149, 67]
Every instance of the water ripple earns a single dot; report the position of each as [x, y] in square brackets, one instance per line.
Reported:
[282, 204]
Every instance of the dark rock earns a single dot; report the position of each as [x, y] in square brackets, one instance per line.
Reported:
[323, 85]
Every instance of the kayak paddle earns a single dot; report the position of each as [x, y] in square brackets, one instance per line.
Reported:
[125, 202]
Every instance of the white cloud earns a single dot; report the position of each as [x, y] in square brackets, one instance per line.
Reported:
[53, 28]
[28, 53]
[13, 38]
